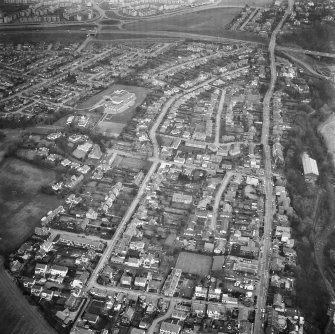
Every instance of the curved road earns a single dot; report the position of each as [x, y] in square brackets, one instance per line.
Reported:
[162, 318]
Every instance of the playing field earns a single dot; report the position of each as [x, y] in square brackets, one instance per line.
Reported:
[193, 263]
[209, 21]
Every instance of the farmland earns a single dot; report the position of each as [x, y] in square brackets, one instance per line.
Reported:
[193, 263]
[21, 203]
[16, 314]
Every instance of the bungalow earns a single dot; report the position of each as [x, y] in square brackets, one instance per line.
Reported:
[168, 328]
[41, 269]
[58, 270]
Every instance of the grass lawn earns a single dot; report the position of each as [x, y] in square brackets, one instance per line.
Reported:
[193, 263]
[209, 21]
[21, 203]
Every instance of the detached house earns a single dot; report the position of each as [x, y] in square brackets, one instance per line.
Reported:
[41, 269]
[168, 328]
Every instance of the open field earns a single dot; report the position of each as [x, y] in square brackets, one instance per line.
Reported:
[251, 3]
[17, 316]
[21, 203]
[47, 36]
[209, 21]
[327, 130]
[193, 263]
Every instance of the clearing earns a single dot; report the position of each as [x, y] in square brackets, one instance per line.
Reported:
[193, 263]
[21, 202]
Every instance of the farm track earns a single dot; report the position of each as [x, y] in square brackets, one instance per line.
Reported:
[17, 316]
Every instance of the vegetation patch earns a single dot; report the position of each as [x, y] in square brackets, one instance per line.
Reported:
[194, 263]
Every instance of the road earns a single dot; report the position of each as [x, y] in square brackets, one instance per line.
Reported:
[111, 243]
[218, 196]
[295, 58]
[218, 118]
[162, 318]
[265, 260]
[307, 52]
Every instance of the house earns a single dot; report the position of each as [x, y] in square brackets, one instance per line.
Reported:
[133, 262]
[47, 294]
[128, 315]
[149, 260]
[41, 269]
[200, 292]
[169, 328]
[28, 282]
[126, 280]
[91, 318]
[57, 270]
[180, 315]
[137, 331]
[215, 311]
[80, 279]
[36, 290]
[140, 282]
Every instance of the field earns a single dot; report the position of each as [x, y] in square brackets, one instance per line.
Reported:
[47, 36]
[327, 130]
[133, 163]
[209, 21]
[21, 203]
[251, 3]
[193, 263]
[16, 314]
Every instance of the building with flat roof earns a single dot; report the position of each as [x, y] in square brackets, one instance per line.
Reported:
[119, 102]
[311, 171]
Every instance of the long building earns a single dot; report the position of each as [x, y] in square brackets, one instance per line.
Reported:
[310, 167]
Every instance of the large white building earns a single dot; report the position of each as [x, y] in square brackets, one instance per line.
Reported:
[119, 102]
[310, 167]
